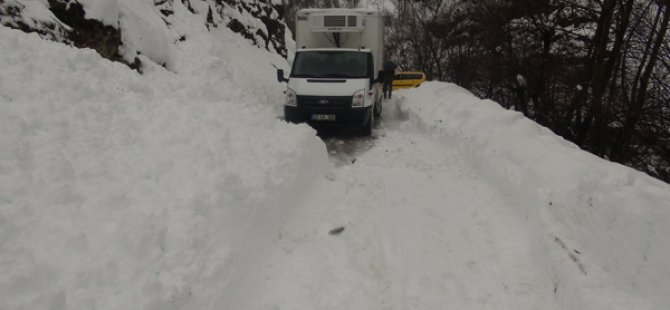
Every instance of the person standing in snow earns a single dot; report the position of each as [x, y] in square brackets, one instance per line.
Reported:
[387, 75]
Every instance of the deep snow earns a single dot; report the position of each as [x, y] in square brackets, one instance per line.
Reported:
[457, 203]
[183, 189]
[122, 191]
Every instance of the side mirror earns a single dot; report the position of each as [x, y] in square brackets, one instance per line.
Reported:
[280, 76]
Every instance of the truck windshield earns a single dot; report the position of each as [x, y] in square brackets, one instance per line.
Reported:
[332, 64]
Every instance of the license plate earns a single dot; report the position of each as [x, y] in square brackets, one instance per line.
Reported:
[323, 117]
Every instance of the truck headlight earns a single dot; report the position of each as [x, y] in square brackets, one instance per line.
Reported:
[291, 97]
[359, 98]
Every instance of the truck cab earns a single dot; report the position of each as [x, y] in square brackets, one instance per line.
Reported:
[334, 75]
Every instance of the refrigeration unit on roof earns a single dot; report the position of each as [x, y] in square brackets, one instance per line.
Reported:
[336, 22]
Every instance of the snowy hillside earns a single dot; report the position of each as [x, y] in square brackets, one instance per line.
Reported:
[181, 188]
[128, 30]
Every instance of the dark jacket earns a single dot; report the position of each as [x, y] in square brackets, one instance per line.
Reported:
[390, 66]
[388, 72]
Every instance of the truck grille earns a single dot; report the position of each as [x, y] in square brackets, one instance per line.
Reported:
[324, 101]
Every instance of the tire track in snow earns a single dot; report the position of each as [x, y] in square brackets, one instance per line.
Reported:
[421, 231]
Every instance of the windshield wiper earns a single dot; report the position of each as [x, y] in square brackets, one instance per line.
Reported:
[304, 76]
[321, 76]
[335, 75]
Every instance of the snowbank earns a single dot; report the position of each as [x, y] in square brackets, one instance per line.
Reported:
[603, 225]
[123, 191]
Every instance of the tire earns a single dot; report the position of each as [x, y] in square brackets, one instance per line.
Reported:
[377, 111]
[367, 128]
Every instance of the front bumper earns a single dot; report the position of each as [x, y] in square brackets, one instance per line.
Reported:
[343, 115]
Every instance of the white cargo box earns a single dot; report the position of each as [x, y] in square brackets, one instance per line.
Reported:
[341, 28]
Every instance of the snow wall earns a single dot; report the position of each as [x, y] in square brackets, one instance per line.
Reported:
[602, 224]
[153, 191]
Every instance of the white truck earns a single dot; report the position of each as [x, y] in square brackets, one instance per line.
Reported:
[335, 71]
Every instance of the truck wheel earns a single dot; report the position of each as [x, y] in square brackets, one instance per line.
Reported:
[377, 111]
[367, 128]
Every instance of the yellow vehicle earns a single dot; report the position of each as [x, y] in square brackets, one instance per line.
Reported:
[408, 79]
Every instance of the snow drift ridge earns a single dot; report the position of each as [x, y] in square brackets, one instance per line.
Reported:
[603, 222]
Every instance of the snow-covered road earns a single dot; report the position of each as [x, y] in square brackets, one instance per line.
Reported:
[422, 230]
